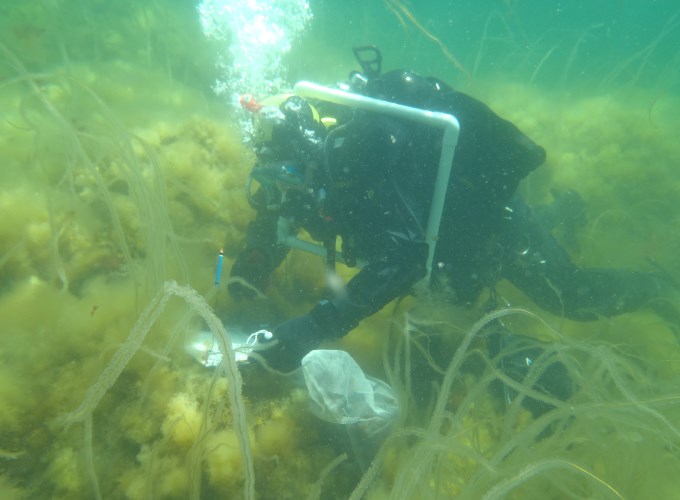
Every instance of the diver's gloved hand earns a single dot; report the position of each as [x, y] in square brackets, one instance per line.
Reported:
[298, 336]
[251, 267]
[516, 356]
[291, 341]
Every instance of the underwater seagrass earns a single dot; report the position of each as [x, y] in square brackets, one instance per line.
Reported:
[467, 445]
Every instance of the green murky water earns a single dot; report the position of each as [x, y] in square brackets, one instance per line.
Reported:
[122, 169]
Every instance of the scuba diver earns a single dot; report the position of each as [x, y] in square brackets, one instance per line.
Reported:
[368, 179]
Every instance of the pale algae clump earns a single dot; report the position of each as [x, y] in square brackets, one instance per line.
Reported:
[118, 179]
[134, 342]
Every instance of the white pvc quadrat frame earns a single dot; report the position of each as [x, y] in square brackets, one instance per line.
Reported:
[448, 123]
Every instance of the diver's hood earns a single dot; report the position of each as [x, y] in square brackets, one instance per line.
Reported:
[290, 132]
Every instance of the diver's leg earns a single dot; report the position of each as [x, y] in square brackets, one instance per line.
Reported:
[535, 263]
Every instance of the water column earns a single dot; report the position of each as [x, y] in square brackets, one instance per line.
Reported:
[253, 35]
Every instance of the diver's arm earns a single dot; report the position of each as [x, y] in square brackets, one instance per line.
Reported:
[377, 284]
[373, 287]
[261, 256]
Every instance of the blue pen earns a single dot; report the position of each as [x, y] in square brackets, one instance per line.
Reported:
[218, 274]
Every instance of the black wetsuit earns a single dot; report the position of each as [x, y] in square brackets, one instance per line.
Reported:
[379, 181]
